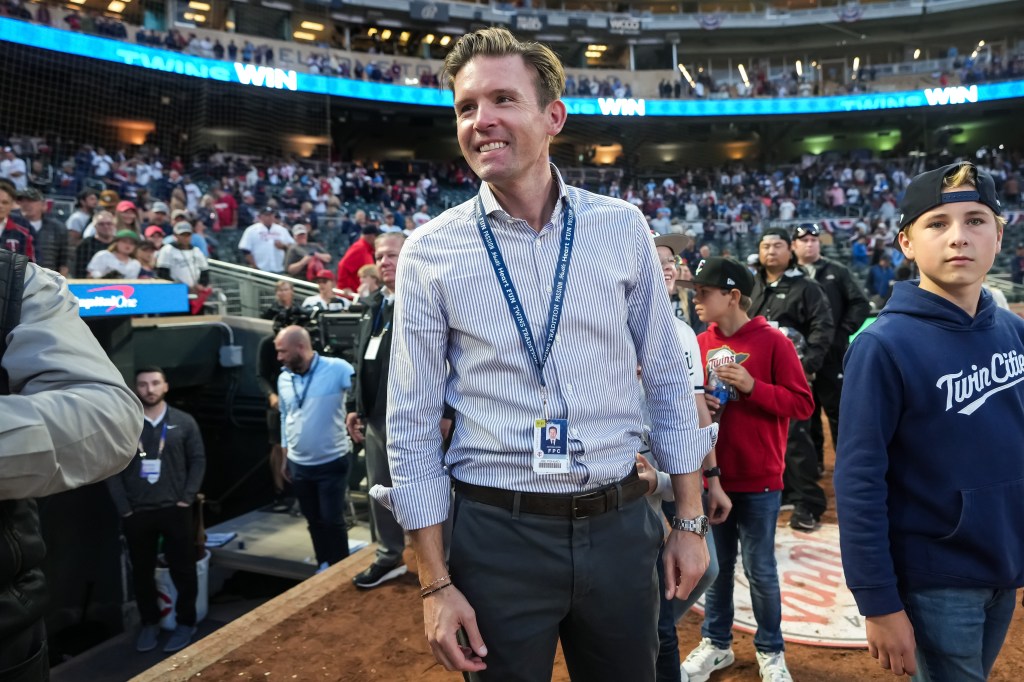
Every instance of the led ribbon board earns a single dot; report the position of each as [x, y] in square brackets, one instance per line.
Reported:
[251, 75]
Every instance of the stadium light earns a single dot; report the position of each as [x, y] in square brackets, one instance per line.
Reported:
[445, 40]
[597, 48]
[686, 75]
[302, 35]
[917, 53]
[188, 16]
[385, 34]
[78, 2]
[981, 43]
[202, 6]
[429, 40]
[404, 38]
[593, 54]
[856, 65]
[199, 18]
[312, 26]
[743, 75]
[372, 32]
[799, 69]
[116, 6]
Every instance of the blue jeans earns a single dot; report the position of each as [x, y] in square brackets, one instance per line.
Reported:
[320, 490]
[751, 525]
[959, 630]
[673, 609]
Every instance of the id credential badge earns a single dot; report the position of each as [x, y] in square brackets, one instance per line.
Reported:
[550, 446]
[372, 348]
[150, 469]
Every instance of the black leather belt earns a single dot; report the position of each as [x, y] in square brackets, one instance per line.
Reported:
[593, 503]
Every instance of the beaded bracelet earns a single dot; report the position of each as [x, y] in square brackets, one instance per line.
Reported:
[427, 593]
[437, 582]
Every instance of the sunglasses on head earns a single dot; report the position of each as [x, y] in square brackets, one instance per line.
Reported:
[808, 229]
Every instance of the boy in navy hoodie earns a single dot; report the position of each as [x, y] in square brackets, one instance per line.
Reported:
[930, 466]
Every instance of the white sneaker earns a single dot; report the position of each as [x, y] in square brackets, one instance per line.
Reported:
[704, 660]
[772, 667]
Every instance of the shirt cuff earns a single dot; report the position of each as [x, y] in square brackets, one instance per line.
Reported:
[686, 455]
[417, 505]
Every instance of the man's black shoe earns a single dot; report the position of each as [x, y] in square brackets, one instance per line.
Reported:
[377, 574]
[803, 520]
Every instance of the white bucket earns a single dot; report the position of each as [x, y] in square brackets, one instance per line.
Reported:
[166, 594]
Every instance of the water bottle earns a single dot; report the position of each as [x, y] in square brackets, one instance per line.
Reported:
[721, 391]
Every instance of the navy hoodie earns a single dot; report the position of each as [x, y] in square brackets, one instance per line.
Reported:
[930, 463]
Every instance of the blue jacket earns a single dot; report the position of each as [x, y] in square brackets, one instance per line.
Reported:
[930, 463]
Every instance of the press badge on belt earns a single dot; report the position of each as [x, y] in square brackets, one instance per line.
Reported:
[550, 446]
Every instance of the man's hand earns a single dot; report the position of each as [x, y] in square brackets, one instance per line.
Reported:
[280, 244]
[444, 612]
[646, 473]
[719, 504]
[273, 400]
[737, 375]
[891, 641]
[686, 559]
[354, 426]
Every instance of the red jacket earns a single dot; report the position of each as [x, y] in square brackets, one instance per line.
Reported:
[358, 255]
[753, 429]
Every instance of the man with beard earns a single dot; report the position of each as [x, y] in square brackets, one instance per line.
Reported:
[311, 396]
[154, 497]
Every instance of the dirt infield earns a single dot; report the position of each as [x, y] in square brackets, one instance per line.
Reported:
[378, 635]
[360, 636]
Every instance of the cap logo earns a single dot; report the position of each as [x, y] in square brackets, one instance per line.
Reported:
[700, 266]
[730, 281]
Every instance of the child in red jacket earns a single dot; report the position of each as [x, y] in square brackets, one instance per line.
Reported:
[754, 384]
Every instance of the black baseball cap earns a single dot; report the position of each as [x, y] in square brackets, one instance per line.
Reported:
[780, 232]
[925, 193]
[724, 273]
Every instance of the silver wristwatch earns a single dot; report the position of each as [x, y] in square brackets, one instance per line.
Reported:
[699, 525]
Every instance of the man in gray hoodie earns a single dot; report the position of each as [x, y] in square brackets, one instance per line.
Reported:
[154, 496]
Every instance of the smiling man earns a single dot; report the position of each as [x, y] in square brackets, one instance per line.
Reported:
[494, 315]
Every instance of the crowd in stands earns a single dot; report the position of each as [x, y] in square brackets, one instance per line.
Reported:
[141, 190]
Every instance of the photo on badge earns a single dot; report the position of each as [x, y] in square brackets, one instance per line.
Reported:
[551, 450]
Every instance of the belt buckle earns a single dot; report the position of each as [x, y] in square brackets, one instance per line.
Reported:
[586, 497]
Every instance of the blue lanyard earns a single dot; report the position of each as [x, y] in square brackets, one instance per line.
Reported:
[515, 307]
[377, 318]
[301, 397]
[163, 442]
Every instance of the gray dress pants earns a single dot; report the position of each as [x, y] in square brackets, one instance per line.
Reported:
[534, 580]
[390, 536]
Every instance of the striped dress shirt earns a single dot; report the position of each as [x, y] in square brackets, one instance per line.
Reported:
[455, 342]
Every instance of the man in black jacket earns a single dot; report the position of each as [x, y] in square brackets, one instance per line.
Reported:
[49, 234]
[849, 309]
[788, 298]
[154, 496]
[367, 409]
[68, 420]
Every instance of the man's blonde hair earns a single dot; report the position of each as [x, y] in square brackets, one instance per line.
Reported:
[499, 42]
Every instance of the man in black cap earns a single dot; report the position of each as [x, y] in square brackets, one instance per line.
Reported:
[49, 236]
[785, 296]
[849, 309]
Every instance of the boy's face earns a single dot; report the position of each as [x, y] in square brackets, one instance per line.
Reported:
[711, 303]
[954, 245]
